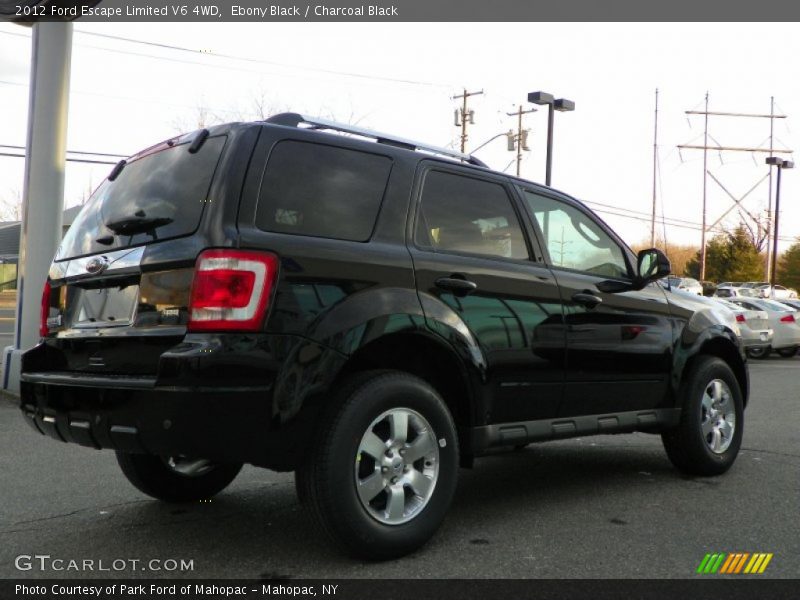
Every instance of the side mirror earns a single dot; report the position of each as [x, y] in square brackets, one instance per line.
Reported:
[651, 264]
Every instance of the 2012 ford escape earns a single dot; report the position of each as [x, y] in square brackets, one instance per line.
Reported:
[367, 311]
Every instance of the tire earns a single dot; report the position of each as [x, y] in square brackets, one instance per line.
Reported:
[406, 502]
[757, 353]
[172, 480]
[787, 352]
[709, 386]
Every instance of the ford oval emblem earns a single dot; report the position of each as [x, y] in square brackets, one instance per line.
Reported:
[97, 265]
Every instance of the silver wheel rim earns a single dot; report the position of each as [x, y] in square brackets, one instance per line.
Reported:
[718, 416]
[397, 465]
[188, 467]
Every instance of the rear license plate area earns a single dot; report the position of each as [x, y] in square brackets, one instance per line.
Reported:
[103, 307]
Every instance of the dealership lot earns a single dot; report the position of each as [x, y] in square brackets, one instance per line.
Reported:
[606, 506]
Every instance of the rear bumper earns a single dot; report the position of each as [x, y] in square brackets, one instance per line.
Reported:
[134, 415]
[757, 338]
[231, 398]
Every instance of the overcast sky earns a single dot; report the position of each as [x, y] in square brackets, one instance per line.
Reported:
[400, 78]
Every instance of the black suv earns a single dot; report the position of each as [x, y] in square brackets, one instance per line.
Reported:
[367, 311]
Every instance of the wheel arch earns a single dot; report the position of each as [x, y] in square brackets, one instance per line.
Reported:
[726, 350]
[429, 358]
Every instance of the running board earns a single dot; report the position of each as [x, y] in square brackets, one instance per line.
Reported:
[511, 434]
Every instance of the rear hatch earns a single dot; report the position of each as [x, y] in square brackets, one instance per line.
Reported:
[109, 309]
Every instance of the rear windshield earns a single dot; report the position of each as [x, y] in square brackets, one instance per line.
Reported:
[322, 191]
[777, 306]
[167, 189]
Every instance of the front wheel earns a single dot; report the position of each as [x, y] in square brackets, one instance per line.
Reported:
[382, 473]
[708, 437]
[788, 352]
[177, 478]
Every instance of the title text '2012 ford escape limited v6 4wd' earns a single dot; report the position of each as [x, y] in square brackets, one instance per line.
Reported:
[367, 311]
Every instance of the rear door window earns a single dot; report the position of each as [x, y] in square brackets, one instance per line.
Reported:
[166, 189]
[468, 215]
[322, 191]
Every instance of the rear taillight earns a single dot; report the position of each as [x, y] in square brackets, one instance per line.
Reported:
[44, 312]
[787, 319]
[231, 290]
[740, 318]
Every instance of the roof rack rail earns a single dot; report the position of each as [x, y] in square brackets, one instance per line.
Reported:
[289, 119]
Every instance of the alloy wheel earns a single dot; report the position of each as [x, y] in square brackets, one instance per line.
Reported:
[718, 416]
[397, 466]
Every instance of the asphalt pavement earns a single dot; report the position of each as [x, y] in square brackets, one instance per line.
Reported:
[604, 506]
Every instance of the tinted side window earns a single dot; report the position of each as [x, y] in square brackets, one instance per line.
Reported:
[574, 241]
[463, 214]
[322, 191]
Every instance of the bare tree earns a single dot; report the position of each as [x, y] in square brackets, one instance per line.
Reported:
[11, 205]
[757, 228]
[200, 118]
[260, 107]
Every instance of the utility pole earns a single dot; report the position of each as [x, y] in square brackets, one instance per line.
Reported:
[768, 264]
[655, 167]
[522, 135]
[705, 181]
[720, 148]
[464, 115]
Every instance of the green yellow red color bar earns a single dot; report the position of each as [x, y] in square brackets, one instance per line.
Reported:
[734, 563]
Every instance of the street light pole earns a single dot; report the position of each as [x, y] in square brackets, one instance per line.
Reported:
[781, 164]
[553, 104]
[551, 111]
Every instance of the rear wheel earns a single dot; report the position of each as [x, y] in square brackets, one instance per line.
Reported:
[382, 473]
[788, 352]
[707, 439]
[757, 352]
[176, 478]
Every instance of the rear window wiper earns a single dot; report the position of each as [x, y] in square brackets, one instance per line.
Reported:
[138, 223]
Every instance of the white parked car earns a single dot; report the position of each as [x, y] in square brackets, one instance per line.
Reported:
[782, 318]
[725, 291]
[685, 284]
[735, 284]
[754, 328]
[777, 292]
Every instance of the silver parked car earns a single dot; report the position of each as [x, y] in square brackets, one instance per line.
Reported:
[782, 319]
[754, 328]
[686, 284]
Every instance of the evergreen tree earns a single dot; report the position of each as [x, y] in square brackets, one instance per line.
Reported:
[729, 257]
[789, 266]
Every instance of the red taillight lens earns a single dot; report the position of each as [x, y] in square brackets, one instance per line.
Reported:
[44, 313]
[223, 288]
[788, 319]
[231, 290]
[740, 318]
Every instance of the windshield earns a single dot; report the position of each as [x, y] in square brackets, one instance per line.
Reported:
[158, 196]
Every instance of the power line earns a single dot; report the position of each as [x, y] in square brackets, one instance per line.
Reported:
[71, 151]
[265, 62]
[236, 114]
[77, 160]
[247, 59]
